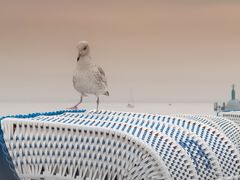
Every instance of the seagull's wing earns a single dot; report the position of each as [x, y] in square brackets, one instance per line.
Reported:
[101, 71]
[100, 75]
[74, 81]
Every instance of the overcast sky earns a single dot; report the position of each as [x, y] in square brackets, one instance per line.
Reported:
[162, 51]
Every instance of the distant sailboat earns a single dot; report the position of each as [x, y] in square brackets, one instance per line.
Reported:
[131, 101]
[129, 105]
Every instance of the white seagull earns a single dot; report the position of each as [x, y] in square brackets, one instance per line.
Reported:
[88, 78]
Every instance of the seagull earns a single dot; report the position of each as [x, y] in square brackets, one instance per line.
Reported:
[88, 78]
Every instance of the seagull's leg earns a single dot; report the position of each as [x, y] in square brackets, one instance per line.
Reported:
[97, 103]
[76, 106]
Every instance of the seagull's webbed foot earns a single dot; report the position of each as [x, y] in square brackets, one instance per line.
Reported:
[73, 108]
[97, 105]
[76, 106]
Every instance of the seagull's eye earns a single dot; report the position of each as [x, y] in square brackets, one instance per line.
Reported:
[85, 48]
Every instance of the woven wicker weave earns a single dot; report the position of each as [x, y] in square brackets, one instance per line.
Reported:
[110, 145]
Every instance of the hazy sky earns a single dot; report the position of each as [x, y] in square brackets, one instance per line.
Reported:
[160, 50]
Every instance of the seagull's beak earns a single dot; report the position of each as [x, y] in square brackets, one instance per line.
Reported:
[79, 55]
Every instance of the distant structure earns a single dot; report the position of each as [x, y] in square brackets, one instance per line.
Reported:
[232, 105]
[231, 110]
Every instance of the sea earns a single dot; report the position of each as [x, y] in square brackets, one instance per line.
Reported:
[13, 108]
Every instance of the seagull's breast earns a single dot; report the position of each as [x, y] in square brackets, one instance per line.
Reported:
[85, 81]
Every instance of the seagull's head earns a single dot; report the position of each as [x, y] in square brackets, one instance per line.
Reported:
[83, 49]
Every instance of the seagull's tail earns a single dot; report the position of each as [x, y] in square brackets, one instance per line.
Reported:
[106, 93]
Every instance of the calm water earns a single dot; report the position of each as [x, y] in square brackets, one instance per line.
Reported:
[7, 108]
